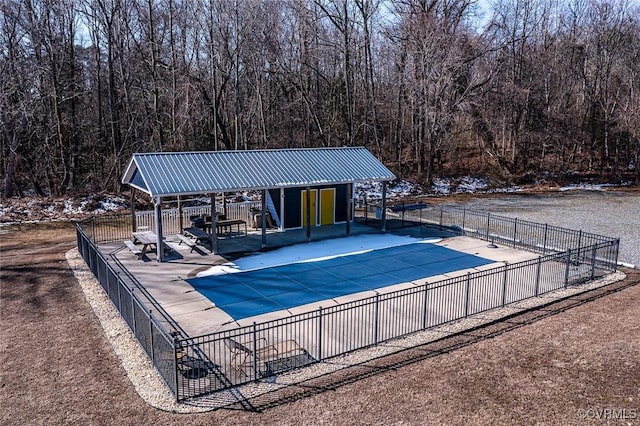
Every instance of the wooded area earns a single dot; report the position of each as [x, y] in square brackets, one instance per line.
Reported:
[520, 89]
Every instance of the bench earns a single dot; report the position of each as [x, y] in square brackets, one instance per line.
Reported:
[188, 241]
[132, 247]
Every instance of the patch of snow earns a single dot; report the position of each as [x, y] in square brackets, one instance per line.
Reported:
[70, 209]
[586, 186]
[441, 186]
[314, 252]
[470, 185]
[505, 190]
[111, 204]
[398, 189]
[44, 208]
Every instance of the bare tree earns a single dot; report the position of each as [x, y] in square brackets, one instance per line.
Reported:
[542, 86]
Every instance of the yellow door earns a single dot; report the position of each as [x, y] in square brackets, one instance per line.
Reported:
[314, 196]
[327, 206]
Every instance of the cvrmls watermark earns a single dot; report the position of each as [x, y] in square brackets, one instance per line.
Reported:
[608, 413]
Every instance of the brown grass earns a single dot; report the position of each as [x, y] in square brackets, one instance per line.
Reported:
[540, 367]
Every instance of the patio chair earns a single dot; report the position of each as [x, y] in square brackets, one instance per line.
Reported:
[242, 355]
[192, 367]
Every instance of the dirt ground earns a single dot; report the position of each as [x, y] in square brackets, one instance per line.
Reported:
[573, 362]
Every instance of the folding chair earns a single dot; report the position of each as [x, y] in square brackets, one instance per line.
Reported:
[242, 356]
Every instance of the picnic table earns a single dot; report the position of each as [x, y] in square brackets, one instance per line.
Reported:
[148, 239]
[226, 226]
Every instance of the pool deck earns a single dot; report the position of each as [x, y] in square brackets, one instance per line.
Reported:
[197, 315]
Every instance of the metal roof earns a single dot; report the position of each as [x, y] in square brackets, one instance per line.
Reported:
[183, 173]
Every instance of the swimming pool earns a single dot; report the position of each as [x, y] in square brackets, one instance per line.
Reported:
[250, 293]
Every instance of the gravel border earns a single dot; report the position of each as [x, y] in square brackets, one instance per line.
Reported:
[148, 383]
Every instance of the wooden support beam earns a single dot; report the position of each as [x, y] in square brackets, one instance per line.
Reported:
[308, 214]
[349, 192]
[158, 220]
[180, 220]
[214, 228]
[263, 218]
[134, 226]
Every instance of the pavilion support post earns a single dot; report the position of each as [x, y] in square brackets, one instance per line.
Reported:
[308, 214]
[134, 225]
[349, 192]
[384, 207]
[263, 218]
[158, 220]
[281, 209]
[214, 228]
[224, 206]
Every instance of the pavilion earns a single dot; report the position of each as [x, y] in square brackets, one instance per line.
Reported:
[300, 188]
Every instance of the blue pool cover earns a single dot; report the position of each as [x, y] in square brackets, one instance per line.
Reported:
[245, 294]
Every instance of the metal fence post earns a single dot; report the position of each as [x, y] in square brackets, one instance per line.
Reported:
[504, 284]
[538, 275]
[566, 272]
[544, 241]
[175, 368]
[515, 231]
[133, 311]
[99, 273]
[441, 212]
[579, 244]
[579, 238]
[594, 252]
[464, 216]
[119, 282]
[377, 318]
[255, 352]
[424, 314]
[320, 333]
[153, 361]
[466, 303]
[488, 221]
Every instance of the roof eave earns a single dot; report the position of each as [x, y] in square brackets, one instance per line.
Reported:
[260, 188]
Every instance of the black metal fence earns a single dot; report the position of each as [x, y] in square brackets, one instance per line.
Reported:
[223, 359]
[135, 308]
